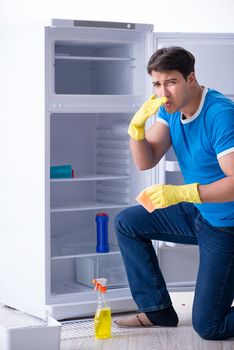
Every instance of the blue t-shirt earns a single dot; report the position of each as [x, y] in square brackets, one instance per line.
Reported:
[198, 142]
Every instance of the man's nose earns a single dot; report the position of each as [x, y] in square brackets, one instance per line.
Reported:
[164, 92]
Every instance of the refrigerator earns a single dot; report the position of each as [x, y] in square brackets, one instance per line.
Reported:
[69, 90]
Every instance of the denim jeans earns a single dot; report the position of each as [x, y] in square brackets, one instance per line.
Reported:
[213, 316]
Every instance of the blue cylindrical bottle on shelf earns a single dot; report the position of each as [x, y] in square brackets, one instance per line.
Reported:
[102, 220]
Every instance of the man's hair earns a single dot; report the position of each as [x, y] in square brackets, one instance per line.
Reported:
[172, 58]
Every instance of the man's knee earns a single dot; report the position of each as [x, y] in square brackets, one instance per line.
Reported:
[120, 221]
[127, 222]
[205, 328]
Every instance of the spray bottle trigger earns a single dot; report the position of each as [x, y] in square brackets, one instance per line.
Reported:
[100, 284]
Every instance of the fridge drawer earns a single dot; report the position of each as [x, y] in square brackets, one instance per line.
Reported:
[109, 266]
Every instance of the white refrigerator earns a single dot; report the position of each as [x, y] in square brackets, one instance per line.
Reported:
[68, 92]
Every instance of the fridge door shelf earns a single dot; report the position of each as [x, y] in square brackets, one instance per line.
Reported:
[172, 166]
[182, 285]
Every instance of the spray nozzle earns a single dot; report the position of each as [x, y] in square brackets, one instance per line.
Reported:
[100, 284]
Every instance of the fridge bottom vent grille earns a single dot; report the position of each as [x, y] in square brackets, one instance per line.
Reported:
[85, 328]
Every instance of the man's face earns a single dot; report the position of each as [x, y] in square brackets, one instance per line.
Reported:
[172, 85]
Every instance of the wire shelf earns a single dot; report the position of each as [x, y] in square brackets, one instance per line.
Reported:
[85, 328]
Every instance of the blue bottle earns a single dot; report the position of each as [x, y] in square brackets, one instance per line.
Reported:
[102, 233]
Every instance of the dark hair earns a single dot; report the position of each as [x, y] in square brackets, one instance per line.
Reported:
[172, 58]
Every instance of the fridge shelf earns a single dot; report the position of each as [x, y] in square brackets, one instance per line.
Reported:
[86, 206]
[91, 177]
[92, 58]
[75, 250]
[67, 287]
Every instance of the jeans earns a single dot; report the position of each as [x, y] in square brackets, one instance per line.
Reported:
[212, 316]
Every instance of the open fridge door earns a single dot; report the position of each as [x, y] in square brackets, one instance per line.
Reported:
[214, 66]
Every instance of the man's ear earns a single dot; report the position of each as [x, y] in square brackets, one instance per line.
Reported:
[191, 79]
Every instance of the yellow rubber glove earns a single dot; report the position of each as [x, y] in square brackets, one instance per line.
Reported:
[137, 126]
[162, 196]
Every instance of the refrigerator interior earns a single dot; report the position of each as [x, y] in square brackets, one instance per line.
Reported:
[94, 68]
[95, 83]
[105, 180]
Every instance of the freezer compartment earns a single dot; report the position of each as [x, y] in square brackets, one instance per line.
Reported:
[179, 265]
[93, 68]
[109, 266]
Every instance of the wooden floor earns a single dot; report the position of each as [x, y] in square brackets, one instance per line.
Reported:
[180, 338]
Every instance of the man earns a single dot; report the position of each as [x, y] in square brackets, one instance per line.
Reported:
[199, 123]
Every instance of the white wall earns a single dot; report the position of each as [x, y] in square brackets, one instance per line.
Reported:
[167, 15]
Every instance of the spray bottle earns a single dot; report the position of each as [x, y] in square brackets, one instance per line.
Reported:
[102, 318]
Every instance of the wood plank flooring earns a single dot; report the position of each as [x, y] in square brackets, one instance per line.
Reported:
[182, 337]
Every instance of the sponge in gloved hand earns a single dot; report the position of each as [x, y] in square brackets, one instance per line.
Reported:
[162, 196]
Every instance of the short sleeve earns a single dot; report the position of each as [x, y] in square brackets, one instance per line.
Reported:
[222, 133]
[162, 116]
